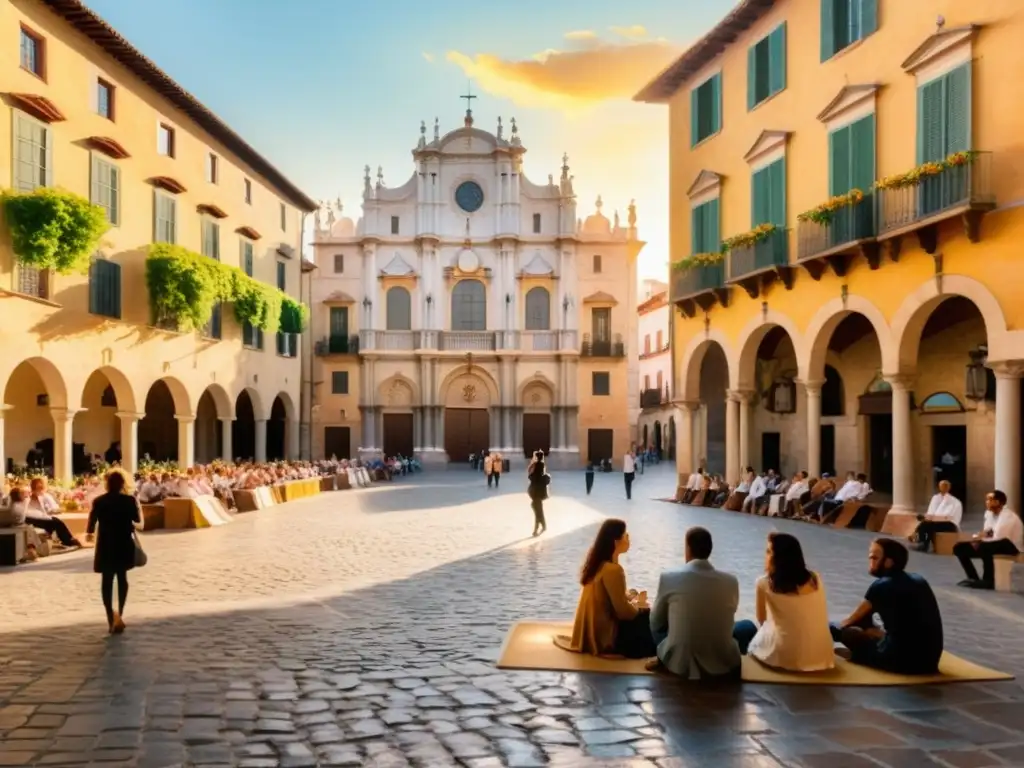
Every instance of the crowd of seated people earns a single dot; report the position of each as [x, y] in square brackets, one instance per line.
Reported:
[691, 630]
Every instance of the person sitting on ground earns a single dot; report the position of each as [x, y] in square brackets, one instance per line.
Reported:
[791, 611]
[609, 620]
[1002, 534]
[910, 640]
[735, 501]
[759, 492]
[825, 488]
[790, 504]
[943, 516]
[693, 616]
[693, 486]
[40, 508]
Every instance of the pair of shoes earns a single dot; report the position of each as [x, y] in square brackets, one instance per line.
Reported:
[118, 625]
[974, 584]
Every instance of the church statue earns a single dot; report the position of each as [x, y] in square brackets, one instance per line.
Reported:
[500, 129]
[616, 220]
[632, 213]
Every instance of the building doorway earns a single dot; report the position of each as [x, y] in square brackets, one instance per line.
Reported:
[880, 442]
[536, 433]
[949, 459]
[398, 437]
[466, 431]
[337, 442]
[827, 449]
[600, 444]
[771, 452]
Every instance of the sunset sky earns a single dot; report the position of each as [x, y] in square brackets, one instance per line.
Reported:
[325, 87]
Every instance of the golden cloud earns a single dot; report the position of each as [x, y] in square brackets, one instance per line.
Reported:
[634, 32]
[581, 34]
[593, 71]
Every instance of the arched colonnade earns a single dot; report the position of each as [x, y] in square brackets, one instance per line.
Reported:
[722, 381]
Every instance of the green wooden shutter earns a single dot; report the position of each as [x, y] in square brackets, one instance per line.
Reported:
[958, 110]
[751, 77]
[839, 161]
[696, 222]
[716, 103]
[694, 118]
[777, 59]
[712, 236]
[115, 289]
[760, 210]
[862, 154]
[868, 17]
[777, 193]
[931, 143]
[828, 35]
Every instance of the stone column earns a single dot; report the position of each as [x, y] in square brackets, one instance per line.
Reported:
[292, 439]
[439, 416]
[130, 440]
[417, 429]
[745, 401]
[813, 391]
[902, 445]
[63, 442]
[572, 428]
[686, 461]
[3, 449]
[1007, 474]
[556, 427]
[732, 437]
[378, 426]
[261, 439]
[227, 449]
[187, 440]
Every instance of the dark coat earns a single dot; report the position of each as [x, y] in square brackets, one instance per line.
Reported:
[539, 481]
[116, 515]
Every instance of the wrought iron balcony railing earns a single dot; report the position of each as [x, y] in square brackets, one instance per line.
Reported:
[771, 251]
[690, 282]
[336, 345]
[849, 225]
[602, 347]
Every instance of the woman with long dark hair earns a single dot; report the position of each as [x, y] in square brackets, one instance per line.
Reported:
[791, 632]
[537, 473]
[118, 516]
[610, 620]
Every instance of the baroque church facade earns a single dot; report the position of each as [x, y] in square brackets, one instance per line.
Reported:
[470, 309]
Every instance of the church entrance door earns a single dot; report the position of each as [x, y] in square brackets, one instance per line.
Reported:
[398, 434]
[536, 433]
[466, 431]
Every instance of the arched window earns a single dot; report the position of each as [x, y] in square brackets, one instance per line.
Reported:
[538, 309]
[399, 309]
[833, 400]
[941, 402]
[469, 306]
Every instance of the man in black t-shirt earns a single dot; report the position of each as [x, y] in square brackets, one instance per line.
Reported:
[911, 641]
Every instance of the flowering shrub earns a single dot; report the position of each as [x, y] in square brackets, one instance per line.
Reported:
[914, 176]
[698, 260]
[824, 213]
[748, 239]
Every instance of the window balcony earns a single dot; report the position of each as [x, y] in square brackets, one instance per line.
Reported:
[467, 341]
[336, 345]
[654, 398]
[388, 341]
[963, 190]
[699, 287]
[602, 347]
[755, 267]
[833, 244]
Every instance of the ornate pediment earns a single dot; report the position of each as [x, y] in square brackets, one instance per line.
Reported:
[767, 143]
[944, 42]
[706, 181]
[538, 266]
[849, 97]
[601, 298]
[398, 267]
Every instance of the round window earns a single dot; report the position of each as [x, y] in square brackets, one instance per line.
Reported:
[469, 196]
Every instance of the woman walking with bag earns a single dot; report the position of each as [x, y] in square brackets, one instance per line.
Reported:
[118, 515]
[538, 491]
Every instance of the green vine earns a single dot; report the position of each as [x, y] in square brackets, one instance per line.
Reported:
[54, 229]
[184, 287]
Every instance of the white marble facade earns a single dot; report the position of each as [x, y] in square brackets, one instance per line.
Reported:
[468, 270]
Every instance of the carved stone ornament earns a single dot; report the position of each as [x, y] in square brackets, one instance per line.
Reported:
[469, 393]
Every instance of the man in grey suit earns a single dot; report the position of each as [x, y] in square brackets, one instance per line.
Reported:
[693, 616]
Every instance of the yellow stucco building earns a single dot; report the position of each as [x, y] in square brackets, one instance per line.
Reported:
[880, 332]
[82, 366]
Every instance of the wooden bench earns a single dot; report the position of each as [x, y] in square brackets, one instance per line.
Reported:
[12, 544]
[200, 512]
[152, 517]
[899, 526]
[858, 514]
[1003, 566]
[944, 542]
[342, 482]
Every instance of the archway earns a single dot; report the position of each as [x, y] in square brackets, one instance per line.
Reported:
[277, 431]
[97, 428]
[158, 430]
[467, 395]
[35, 394]
[214, 405]
[855, 425]
[713, 384]
[243, 428]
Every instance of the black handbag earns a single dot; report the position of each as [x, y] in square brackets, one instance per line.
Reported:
[141, 558]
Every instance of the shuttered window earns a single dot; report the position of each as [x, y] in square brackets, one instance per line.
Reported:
[339, 382]
[768, 195]
[252, 336]
[165, 212]
[398, 303]
[766, 66]
[706, 109]
[704, 228]
[105, 288]
[211, 238]
[33, 154]
[844, 22]
[852, 157]
[944, 115]
[105, 188]
[282, 276]
[287, 344]
[245, 257]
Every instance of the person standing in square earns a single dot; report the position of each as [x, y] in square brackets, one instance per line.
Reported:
[629, 471]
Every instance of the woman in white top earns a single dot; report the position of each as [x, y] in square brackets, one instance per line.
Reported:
[792, 631]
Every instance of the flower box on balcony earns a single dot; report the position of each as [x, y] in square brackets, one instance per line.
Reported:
[760, 257]
[831, 234]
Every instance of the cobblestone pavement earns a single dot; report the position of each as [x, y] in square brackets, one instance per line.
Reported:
[360, 628]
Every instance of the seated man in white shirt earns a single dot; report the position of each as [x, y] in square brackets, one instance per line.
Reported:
[758, 488]
[790, 503]
[693, 485]
[855, 488]
[39, 510]
[1002, 534]
[943, 516]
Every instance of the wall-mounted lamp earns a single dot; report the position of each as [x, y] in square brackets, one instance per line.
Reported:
[565, 303]
[430, 298]
[977, 376]
[367, 303]
[508, 298]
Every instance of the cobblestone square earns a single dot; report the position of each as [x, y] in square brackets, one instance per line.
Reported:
[361, 628]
